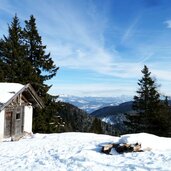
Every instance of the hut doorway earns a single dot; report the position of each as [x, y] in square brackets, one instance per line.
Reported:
[14, 122]
[8, 124]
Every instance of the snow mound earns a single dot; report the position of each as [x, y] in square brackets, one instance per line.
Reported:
[82, 152]
[147, 141]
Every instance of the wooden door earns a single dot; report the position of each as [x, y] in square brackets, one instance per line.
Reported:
[8, 124]
[18, 126]
[14, 122]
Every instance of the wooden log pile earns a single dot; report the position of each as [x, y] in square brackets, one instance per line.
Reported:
[122, 148]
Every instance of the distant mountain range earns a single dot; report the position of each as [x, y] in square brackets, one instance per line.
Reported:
[113, 110]
[110, 110]
[91, 104]
[114, 115]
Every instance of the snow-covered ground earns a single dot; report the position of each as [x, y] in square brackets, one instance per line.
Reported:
[81, 152]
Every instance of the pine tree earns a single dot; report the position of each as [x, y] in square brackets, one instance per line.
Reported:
[164, 119]
[2, 69]
[43, 66]
[148, 96]
[43, 69]
[23, 59]
[146, 104]
[96, 126]
[12, 53]
[47, 120]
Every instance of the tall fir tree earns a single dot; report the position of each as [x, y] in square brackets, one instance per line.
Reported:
[24, 48]
[12, 53]
[23, 59]
[147, 105]
[43, 69]
[43, 66]
[148, 99]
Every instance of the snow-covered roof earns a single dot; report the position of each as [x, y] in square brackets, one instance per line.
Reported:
[8, 91]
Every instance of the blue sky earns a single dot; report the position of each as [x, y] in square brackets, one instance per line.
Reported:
[100, 46]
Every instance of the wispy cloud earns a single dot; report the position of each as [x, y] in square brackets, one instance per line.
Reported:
[75, 34]
[93, 89]
[162, 74]
[130, 31]
[76, 38]
[6, 7]
[85, 47]
[168, 23]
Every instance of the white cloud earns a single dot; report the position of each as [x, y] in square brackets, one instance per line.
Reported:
[85, 48]
[76, 39]
[102, 90]
[6, 7]
[130, 31]
[162, 74]
[168, 23]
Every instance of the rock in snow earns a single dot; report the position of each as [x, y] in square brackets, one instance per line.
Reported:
[82, 152]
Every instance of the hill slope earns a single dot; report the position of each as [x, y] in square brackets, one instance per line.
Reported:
[77, 120]
[81, 151]
[113, 110]
[114, 115]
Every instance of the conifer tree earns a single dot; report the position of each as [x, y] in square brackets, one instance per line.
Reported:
[146, 104]
[23, 59]
[148, 99]
[43, 65]
[24, 48]
[43, 69]
[2, 69]
[12, 53]
[96, 126]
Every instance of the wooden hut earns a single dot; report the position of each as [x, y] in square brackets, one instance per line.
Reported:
[16, 109]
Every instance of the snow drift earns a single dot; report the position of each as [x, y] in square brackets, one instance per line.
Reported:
[81, 152]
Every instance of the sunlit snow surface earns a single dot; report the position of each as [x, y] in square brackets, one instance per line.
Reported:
[81, 152]
[8, 90]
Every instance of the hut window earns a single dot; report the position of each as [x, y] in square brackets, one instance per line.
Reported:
[17, 115]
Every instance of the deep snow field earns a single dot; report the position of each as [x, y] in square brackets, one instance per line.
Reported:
[81, 152]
